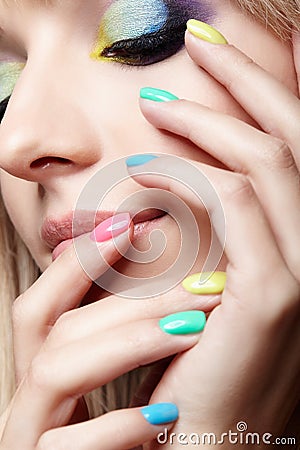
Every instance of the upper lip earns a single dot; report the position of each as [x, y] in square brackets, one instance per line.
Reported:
[56, 230]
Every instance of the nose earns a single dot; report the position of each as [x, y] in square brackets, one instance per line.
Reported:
[46, 129]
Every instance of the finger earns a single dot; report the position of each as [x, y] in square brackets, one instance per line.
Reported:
[248, 233]
[57, 378]
[257, 91]
[83, 322]
[59, 289]
[117, 430]
[296, 50]
[266, 161]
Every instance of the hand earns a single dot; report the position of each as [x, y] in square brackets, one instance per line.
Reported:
[247, 364]
[63, 352]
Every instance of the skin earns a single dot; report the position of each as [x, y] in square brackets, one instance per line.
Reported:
[256, 177]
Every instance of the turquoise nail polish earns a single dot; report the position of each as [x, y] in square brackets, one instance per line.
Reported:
[157, 95]
[160, 413]
[187, 322]
[139, 160]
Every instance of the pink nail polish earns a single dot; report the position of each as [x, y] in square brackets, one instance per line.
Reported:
[110, 228]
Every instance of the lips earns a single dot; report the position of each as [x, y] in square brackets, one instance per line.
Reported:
[57, 233]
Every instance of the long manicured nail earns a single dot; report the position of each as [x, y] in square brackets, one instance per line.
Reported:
[160, 413]
[139, 160]
[187, 322]
[157, 95]
[213, 285]
[206, 32]
[112, 227]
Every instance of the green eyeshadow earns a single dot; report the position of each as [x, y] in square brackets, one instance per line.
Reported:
[129, 19]
[144, 32]
[9, 74]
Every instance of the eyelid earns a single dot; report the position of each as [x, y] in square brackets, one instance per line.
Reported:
[9, 75]
[118, 36]
[144, 50]
[129, 19]
[149, 48]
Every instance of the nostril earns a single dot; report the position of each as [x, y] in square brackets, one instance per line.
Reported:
[42, 163]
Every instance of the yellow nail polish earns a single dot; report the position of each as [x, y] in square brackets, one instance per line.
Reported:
[199, 284]
[204, 31]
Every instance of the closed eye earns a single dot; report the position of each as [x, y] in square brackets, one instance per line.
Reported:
[144, 32]
[149, 48]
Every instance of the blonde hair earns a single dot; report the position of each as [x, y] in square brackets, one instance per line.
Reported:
[18, 270]
[281, 16]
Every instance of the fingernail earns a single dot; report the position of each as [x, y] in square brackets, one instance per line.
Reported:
[160, 413]
[110, 228]
[157, 95]
[187, 322]
[197, 283]
[206, 32]
[139, 160]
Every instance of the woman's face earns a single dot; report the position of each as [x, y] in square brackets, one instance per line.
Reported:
[72, 113]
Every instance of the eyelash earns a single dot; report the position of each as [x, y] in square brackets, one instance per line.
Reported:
[148, 49]
[3, 106]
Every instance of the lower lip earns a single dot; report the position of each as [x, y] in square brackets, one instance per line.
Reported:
[139, 230]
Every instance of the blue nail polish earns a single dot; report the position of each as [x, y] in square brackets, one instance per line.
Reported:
[160, 413]
[139, 160]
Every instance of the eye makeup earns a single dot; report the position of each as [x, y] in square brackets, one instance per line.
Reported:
[9, 74]
[146, 31]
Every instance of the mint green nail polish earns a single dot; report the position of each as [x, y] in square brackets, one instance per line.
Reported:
[187, 322]
[157, 95]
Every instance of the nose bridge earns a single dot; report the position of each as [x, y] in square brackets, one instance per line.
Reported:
[46, 119]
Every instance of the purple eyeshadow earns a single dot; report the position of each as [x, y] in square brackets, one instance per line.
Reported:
[165, 41]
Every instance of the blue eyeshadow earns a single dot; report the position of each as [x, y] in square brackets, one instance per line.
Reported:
[145, 31]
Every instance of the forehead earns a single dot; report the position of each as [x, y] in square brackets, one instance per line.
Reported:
[32, 3]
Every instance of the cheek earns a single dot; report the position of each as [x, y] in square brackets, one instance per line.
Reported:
[22, 210]
[11, 200]
[181, 76]
[252, 38]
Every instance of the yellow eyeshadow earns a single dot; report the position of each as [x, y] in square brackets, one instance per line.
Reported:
[129, 19]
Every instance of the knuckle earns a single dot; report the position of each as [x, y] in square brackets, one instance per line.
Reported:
[273, 303]
[136, 343]
[119, 433]
[20, 316]
[40, 372]
[62, 327]
[24, 311]
[239, 189]
[241, 67]
[143, 343]
[278, 156]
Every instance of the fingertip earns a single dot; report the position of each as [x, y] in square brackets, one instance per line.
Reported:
[160, 413]
[157, 95]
